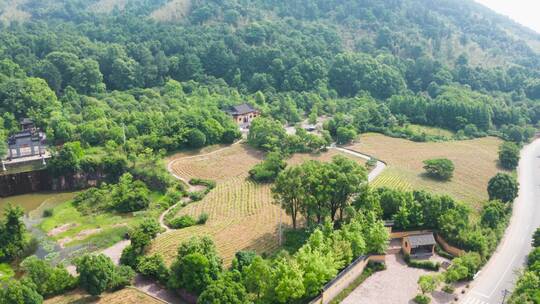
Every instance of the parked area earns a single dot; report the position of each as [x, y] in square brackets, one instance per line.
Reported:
[395, 285]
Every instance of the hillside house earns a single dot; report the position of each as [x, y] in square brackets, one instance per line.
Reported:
[28, 142]
[243, 114]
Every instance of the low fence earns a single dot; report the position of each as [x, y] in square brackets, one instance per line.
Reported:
[402, 234]
[345, 278]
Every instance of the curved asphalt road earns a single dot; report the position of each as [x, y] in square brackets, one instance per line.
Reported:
[499, 274]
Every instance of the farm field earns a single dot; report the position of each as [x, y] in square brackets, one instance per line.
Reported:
[124, 296]
[241, 213]
[475, 163]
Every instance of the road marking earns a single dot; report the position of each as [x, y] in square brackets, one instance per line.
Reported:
[472, 300]
[480, 294]
[510, 265]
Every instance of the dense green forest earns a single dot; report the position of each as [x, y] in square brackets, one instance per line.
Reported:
[90, 75]
[117, 85]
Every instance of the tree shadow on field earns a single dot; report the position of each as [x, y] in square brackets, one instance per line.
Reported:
[430, 178]
[253, 152]
[267, 244]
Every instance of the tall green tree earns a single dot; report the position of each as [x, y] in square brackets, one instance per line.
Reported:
[20, 292]
[503, 187]
[96, 273]
[288, 192]
[196, 266]
[509, 155]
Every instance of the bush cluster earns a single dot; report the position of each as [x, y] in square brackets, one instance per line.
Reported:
[429, 265]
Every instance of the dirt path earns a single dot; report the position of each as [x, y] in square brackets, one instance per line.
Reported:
[379, 167]
[172, 162]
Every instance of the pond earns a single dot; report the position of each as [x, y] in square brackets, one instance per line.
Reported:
[34, 203]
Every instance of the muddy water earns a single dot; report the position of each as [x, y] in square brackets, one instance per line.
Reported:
[31, 203]
[34, 204]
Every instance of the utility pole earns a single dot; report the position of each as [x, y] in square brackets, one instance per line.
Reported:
[280, 215]
[124, 132]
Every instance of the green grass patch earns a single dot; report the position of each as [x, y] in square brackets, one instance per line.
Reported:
[434, 131]
[106, 238]
[99, 230]
[6, 272]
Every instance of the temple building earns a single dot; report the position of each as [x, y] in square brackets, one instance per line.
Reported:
[28, 142]
[243, 114]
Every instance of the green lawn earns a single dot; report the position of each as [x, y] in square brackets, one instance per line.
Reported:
[69, 227]
[434, 131]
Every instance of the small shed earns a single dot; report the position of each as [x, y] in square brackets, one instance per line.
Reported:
[421, 245]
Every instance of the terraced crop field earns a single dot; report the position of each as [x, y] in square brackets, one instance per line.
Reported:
[475, 162]
[391, 179]
[124, 296]
[241, 213]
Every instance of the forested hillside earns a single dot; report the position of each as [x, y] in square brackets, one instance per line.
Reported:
[85, 69]
[119, 84]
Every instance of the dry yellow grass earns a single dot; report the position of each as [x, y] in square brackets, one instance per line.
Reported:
[107, 6]
[475, 163]
[241, 213]
[124, 296]
[10, 11]
[173, 11]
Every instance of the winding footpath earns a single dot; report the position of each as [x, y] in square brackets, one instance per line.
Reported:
[498, 277]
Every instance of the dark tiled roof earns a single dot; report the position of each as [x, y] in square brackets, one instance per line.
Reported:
[26, 121]
[242, 109]
[421, 240]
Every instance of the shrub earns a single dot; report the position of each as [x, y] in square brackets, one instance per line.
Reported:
[422, 299]
[268, 170]
[503, 187]
[371, 163]
[48, 280]
[172, 197]
[441, 168]
[48, 212]
[196, 138]
[448, 289]
[130, 256]
[197, 196]
[122, 277]
[443, 253]
[154, 267]
[509, 155]
[182, 222]
[203, 217]
[345, 135]
[536, 238]
[428, 265]
[210, 184]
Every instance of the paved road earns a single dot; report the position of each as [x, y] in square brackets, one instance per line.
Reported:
[500, 272]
